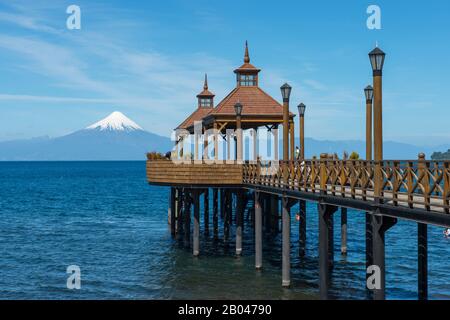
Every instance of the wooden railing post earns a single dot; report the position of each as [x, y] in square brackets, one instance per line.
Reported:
[377, 181]
[410, 183]
[258, 170]
[446, 193]
[323, 173]
[424, 179]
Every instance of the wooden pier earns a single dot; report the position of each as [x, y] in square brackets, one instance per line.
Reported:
[383, 190]
[418, 191]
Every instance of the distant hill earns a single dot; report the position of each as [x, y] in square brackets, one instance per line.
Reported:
[114, 138]
[118, 138]
[441, 155]
[391, 150]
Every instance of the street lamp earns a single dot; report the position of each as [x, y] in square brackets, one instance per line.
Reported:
[286, 93]
[368, 92]
[301, 112]
[238, 110]
[377, 57]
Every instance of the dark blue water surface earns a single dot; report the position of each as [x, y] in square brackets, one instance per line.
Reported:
[105, 218]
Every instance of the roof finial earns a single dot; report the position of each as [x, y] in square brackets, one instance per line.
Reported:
[247, 56]
[205, 86]
[376, 44]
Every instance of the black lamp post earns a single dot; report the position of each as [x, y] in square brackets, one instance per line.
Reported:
[379, 225]
[368, 92]
[238, 110]
[301, 112]
[377, 57]
[286, 93]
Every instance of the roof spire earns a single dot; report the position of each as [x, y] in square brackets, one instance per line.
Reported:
[205, 86]
[247, 56]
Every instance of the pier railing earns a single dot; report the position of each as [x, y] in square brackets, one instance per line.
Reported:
[414, 184]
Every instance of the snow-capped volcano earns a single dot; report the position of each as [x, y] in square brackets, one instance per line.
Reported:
[116, 121]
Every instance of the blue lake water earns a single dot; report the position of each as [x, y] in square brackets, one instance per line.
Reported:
[105, 218]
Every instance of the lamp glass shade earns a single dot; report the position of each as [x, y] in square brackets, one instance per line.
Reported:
[238, 109]
[286, 91]
[301, 109]
[377, 59]
[368, 91]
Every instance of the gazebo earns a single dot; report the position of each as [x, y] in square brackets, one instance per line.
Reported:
[259, 110]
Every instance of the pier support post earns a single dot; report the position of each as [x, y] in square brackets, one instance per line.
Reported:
[187, 218]
[206, 211]
[181, 206]
[196, 238]
[344, 231]
[239, 220]
[331, 243]
[325, 221]
[369, 246]
[258, 231]
[302, 227]
[267, 212]
[172, 211]
[226, 218]
[380, 224]
[222, 203]
[422, 239]
[274, 214]
[286, 257]
[216, 213]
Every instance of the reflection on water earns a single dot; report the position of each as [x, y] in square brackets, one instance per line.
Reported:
[103, 217]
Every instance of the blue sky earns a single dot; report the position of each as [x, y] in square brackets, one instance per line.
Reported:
[147, 59]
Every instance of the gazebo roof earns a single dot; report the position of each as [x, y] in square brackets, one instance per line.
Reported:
[206, 93]
[259, 108]
[197, 115]
[254, 100]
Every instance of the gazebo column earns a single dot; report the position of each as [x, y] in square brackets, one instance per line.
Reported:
[195, 146]
[229, 137]
[275, 143]
[205, 145]
[177, 152]
[216, 142]
[255, 144]
[181, 143]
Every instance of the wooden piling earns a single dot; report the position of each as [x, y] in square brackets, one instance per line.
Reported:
[216, 213]
[325, 217]
[172, 211]
[369, 246]
[258, 231]
[196, 236]
[302, 228]
[344, 231]
[226, 217]
[187, 218]
[380, 225]
[286, 258]
[422, 248]
[239, 221]
[206, 211]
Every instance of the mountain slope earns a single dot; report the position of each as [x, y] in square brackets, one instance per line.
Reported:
[113, 138]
